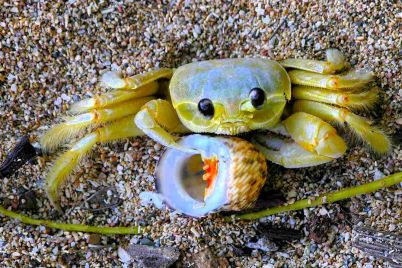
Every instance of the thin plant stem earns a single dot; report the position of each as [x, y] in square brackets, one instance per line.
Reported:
[70, 227]
[325, 198]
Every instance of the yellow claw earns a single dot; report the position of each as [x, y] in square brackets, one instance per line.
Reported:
[315, 135]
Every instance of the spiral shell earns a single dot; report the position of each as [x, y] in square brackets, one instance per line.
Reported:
[184, 179]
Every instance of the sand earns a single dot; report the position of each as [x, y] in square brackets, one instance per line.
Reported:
[52, 54]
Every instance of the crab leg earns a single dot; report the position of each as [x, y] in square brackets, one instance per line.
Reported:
[65, 163]
[115, 96]
[140, 85]
[352, 79]
[363, 99]
[335, 62]
[157, 119]
[74, 125]
[114, 79]
[361, 126]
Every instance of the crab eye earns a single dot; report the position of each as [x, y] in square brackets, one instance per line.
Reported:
[206, 107]
[257, 97]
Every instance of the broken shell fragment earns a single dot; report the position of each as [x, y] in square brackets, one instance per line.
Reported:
[228, 174]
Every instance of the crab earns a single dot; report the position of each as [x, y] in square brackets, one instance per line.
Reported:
[289, 106]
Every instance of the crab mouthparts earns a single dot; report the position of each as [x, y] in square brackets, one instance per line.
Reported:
[210, 173]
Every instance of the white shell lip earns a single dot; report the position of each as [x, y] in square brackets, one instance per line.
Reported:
[171, 175]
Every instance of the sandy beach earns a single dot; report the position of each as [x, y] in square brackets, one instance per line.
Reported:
[52, 54]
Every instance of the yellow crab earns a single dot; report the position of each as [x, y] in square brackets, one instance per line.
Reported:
[228, 96]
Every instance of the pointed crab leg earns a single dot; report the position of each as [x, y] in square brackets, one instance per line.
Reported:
[114, 79]
[112, 97]
[352, 79]
[58, 134]
[140, 85]
[335, 62]
[350, 99]
[360, 125]
[66, 162]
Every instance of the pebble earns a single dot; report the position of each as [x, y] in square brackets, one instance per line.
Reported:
[346, 236]
[292, 194]
[378, 174]
[94, 239]
[391, 227]
[195, 232]
[323, 211]
[123, 255]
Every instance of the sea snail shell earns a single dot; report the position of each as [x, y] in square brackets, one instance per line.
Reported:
[227, 175]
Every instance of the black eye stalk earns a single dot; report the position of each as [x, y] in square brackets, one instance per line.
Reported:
[257, 97]
[206, 107]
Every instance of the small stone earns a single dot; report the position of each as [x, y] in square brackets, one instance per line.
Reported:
[195, 232]
[399, 121]
[206, 259]
[392, 227]
[266, 20]
[263, 244]
[157, 147]
[115, 67]
[65, 97]
[229, 240]
[151, 198]
[292, 194]
[58, 101]
[120, 169]
[346, 236]
[15, 255]
[323, 211]
[130, 71]
[292, 221]
[94, 239]
[260, 11]
[123, 255]
[146, 256]
[67, 259]
[378, 174]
